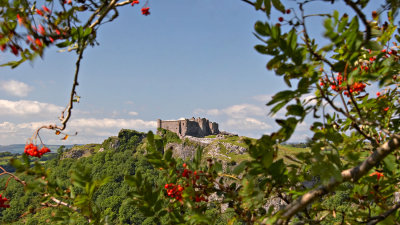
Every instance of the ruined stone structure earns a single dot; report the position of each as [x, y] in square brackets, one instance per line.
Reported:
[199, 127]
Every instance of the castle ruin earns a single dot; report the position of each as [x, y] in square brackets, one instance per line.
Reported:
[199, 127]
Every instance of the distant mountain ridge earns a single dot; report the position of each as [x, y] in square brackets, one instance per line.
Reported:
[19, 148]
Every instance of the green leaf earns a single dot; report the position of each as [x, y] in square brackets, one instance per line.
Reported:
[13, 64]
[374, 46]
[390, 163]
[267, 158]
[292, 39]
[339, 66]
[278, 5]
[287, 80]
[277, 170]
[295, 110]
[280, 96]
[261, 49]
[267, 5]
[63, 44]
[87, 32]
[239, 168]
[258, 4]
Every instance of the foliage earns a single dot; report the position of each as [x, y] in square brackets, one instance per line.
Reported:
[169, 136]
[348, 174]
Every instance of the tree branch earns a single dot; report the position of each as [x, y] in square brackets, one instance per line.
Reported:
[5, 172]
[353, 5]
[376, 219]
[352, 175]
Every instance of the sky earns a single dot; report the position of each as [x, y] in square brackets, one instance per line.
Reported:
[188, 58]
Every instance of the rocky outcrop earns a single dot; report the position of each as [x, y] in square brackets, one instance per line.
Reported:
[231, 148]
[183, 151]
[214, 147]
[77, 152]
[111, 143]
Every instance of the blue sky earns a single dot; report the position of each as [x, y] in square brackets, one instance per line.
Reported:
[188, 58]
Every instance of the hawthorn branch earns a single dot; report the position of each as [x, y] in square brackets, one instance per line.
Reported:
[307, 39]
[68, 109]
[347, 114]
[104, 14]
[376, 219]
[351, 175]
[5, 172]
[253, 4]
[360, 14]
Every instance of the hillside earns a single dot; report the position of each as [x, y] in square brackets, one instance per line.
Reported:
[112, 160]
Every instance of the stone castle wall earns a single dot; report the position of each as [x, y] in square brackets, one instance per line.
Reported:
[199, 127]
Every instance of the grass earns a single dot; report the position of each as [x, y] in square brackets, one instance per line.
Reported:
[94, 147]
[211, 136]
[290, 151]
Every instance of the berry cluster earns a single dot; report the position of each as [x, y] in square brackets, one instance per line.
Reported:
[281, 19]
[2, 202]
[336, 85]
[174, 191]
[38, 36]
[189, 178]
[32, 150]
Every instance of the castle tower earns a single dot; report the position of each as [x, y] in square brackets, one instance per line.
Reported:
[159, 123]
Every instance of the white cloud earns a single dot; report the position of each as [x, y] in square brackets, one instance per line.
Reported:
[235, 111]
[132, 113]
[15, 88]
[246, 124]
[111, 123]
[25, 107]
[90, 130]
[7, 127]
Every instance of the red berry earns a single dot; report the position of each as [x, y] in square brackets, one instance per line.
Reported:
[184, 165]
[145, 11]
[41, 30]
[374, 14]
[38, 42]
[46, 9]
[14, 50]
[378, 94]
[20, 20]
[280, 19]
[3, 47]
[38, 11]
[134, 2]
[288, 11]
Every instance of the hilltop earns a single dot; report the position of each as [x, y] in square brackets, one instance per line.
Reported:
[228, 148]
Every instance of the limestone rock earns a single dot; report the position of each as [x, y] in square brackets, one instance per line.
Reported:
[182, 151]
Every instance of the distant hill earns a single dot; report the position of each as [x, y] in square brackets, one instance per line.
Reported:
[19, 148]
